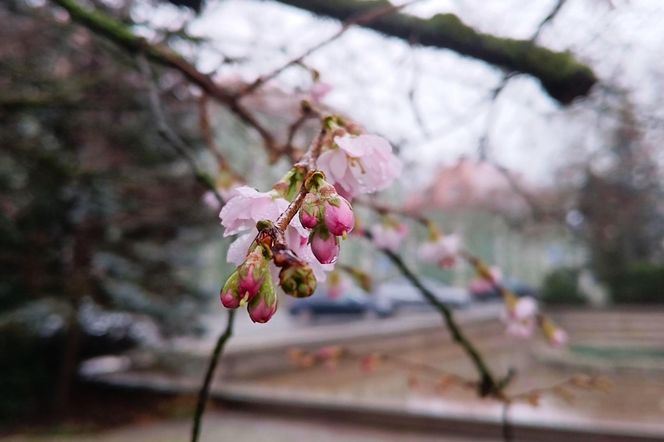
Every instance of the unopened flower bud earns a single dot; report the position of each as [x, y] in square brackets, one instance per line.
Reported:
[309, 213]
[325, 246]
[253, 273]
[229, 295]
[338, 216]
[297, 280]
[264, 304]
[556, 336]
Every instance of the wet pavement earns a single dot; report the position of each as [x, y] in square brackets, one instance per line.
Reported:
[242, 427]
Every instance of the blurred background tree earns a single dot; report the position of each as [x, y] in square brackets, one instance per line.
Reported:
[623, 217]
[97, 235]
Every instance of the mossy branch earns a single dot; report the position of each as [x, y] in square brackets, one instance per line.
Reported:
[561, 75]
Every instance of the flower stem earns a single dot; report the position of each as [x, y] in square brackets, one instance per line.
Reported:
[204, 392]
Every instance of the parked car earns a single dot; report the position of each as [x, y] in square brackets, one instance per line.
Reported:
[350, 303]
[485, 292]
[401, 294]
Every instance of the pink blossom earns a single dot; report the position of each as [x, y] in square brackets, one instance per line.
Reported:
[325, 247]
[247, 207]
[442, 251]
[524, 309]
[339, 218]
[319, 90]
[521, 317]
[258, 206]
[360, 164]
[388, 235]
[226, 192]
[558, 338]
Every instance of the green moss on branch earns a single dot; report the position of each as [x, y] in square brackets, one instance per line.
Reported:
[561, 75]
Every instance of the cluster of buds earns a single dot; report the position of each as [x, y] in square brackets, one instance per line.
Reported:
[328, 215]
[295, 277]
[251, 284]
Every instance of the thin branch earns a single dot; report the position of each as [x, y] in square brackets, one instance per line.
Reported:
[173, 139]
[537, 211]
[548, 19]
[208, 137]
[204, 392]
[121, 34]
[488, 385]
[361, 18]
[412, 96]
[482, 147]
[312, 155]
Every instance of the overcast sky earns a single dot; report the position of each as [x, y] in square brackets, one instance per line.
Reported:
[372, 75]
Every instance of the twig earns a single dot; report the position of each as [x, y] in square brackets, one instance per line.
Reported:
[412, 95]
[178, 145]
[204, 392]
[208, 137]
[312, 155]
[537, 211]
[482, 147]
[121, 34]
[361, 19]
[556, 8]
[307, 112]
[487, 385]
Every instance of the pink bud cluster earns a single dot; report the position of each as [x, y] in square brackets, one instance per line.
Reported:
[250, 284]
[328, 216]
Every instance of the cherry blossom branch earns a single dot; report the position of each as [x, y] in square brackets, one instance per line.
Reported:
[204, 392]
[310, 160]
[488, 386]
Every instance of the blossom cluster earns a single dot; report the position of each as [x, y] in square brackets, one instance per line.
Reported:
[328, 216]
[296, 258]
